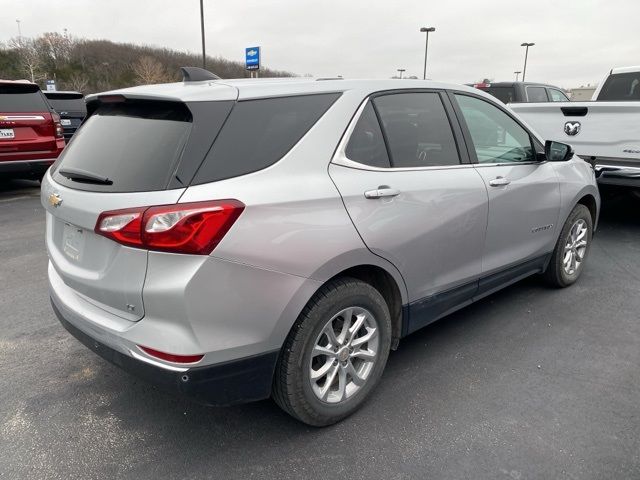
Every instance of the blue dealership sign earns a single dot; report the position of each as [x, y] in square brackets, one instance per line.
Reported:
[252, 58]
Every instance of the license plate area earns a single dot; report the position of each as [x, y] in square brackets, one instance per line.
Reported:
[65, 122]
[7, 133]
[73, 242]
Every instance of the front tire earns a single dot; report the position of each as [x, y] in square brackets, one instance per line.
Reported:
[335, 353]
[572, 249]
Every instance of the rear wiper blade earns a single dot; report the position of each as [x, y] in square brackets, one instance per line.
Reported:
[79, 175]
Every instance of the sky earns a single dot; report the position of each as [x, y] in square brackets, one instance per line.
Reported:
[576, 41]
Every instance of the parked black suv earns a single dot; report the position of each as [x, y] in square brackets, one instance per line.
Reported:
[71, 108]
[523, 92]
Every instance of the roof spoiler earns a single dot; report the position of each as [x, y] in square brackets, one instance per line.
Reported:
[197, 74]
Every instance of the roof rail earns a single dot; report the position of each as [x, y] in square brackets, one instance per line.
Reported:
[197, 74]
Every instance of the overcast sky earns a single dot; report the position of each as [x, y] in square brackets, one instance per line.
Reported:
[577, 41]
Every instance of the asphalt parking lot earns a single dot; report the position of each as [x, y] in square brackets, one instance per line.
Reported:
[528, 383]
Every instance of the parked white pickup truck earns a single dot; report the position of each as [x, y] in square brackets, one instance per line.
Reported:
[604, 131]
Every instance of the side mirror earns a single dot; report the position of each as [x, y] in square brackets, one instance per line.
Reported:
[557, 152]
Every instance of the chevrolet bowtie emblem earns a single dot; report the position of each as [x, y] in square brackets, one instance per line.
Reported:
[55, 200]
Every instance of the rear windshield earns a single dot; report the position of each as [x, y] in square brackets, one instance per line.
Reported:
[67, 104]
[19, 98]
[135, 145]
[258, 133]
[621, 87]
[504, 94]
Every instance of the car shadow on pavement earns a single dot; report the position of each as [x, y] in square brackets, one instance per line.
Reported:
[12, 188]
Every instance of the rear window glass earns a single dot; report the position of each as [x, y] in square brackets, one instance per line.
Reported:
[537, 94]
[67, 104]
[504, 94]
[258, 133]
[21, 99]
[135, 145]
[621, 87]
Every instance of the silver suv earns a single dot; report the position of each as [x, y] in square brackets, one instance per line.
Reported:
[232, 240]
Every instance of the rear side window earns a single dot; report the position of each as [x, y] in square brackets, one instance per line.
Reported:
[258, 133]
[537, 94]
[621, 87]
[22, 99]
[136, 145]
[366, 144]
[417, 129]
[504, 94]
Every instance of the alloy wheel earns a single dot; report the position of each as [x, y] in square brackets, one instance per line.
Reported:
[344, 355]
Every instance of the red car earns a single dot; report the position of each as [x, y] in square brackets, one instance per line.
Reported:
[31, 137]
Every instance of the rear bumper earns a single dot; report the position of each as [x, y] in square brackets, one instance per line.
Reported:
[616, 171]
[26, 168]
[620, 175]
[238, 381]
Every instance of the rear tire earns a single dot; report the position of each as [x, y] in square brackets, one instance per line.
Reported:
[574, 243]
[325, 371]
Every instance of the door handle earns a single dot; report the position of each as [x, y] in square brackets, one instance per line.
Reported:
[499, 182]
[382, 191]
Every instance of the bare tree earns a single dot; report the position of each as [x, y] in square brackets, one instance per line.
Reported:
[54, 49]
[149, 70]
[30, 61]
[79, 82]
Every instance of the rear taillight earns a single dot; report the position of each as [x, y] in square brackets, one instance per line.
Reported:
[57, 125]
[193, 228]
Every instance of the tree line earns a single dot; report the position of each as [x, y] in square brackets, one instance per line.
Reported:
[97, 65]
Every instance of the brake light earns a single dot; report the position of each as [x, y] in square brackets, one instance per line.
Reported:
[171, 357]
[193, 228]
[57, 125]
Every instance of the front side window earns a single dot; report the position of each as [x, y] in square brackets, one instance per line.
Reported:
[537, 94]
[557, 95]
[497, 138]
[417, 130]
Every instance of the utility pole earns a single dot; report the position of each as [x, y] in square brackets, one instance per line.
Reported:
[401, 70]
[426, 48]
[517, 73]
[204, 54]
[526, 54]
[19, 31]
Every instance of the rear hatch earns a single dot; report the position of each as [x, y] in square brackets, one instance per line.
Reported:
[71, 108]
[27, 128]
[128, 154]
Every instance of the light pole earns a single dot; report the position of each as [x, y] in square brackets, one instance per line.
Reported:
[204, 55]
[426, 48]
[401, 70]
[526, 54]
[19, 31]
[517, 73]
